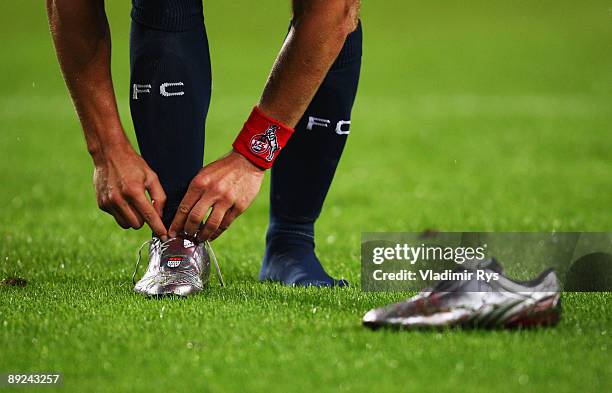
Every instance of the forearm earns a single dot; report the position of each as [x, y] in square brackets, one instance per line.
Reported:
[82, 40]
[313, 43]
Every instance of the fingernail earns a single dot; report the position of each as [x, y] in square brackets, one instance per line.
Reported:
[164, 238]
[172, 234]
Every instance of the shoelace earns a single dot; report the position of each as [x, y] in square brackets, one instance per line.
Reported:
[163, 246]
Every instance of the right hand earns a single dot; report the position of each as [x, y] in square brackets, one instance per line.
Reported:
[121, 179]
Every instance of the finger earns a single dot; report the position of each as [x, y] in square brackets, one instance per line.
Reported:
[157, 194]
[196, 215]
[229, 217]
[131, 215]
[189, 200]
[148, 213]
[213, 221]
[118, 217]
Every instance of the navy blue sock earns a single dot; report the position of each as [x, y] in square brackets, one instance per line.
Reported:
[170, 87]
[303, 172]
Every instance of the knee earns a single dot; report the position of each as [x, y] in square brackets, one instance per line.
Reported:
[342, 14]
[351, 15]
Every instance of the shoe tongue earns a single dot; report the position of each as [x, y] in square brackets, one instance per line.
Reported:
[490, 264]
[471, 285]
[179, 246]
[178, 252]
[187, 243]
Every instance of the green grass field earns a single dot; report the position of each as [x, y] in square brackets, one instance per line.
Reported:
[485, 115]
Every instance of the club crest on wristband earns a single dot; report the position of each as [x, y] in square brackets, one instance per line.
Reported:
[265, 143]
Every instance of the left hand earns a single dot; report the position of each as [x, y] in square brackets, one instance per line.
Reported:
[227, 186]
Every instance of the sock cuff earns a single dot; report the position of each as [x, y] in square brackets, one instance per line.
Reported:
[278, 233]
[283, 227]
[168, 15]
[351, 50]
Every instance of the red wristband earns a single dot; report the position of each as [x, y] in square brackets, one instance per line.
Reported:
[261, 139]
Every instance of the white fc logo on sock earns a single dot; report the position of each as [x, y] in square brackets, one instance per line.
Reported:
[342, 127]
[167, 89]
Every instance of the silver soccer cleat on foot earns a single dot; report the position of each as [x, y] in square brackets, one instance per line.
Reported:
[179, 266]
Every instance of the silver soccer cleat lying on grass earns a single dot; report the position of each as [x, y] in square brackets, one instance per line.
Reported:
[501, 303]
[179, 266]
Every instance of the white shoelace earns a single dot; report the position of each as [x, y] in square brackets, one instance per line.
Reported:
[164, 246]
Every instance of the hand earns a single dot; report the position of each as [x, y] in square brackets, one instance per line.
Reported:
[227, 186]
[121, 179]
